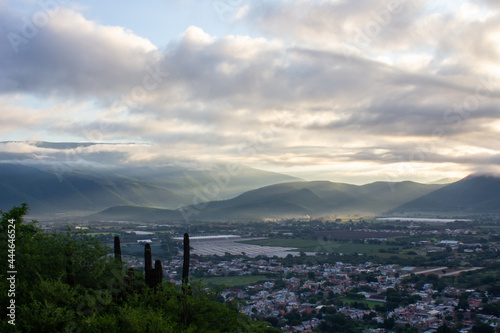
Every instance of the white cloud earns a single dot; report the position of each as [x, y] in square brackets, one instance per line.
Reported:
[318, 91]
[71, 56]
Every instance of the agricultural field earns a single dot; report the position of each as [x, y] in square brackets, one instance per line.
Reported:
[310, 245]
[100, 234]
[496, 227]
[358, 234]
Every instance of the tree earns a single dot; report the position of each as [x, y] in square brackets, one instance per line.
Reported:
[389, 323]
[463, 301]
[491, 308]
[293, 317]
[273, 321]
[168, 245]
[482, 328]
[444, 329]
[71, 282]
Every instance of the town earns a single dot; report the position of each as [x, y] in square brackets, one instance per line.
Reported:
[343, 275]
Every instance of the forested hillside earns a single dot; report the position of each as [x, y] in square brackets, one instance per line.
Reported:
[69, 283]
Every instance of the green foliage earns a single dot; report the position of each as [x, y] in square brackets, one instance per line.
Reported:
[482, 328]
[445, 329]
[338, 323]
[353, 295]
[491, 308]
[463, 301]
[16, 213]
[68, 282]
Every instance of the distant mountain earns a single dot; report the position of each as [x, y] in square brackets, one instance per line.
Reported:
[473, 194]
[149, 192]
[317, 198]
[47, 192]
[50, 190]
[216, 182]
[291, 200]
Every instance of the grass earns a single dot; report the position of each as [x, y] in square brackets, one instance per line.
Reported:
[233, 281]
[370, 304]
[310, 245]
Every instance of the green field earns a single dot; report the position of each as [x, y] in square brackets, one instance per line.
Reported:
[310, 245]
[232, 281]
[371, 304]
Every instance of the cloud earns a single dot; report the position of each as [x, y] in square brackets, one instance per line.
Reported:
[74, 156]
[459, 32]
[319, 88]
[70, 55]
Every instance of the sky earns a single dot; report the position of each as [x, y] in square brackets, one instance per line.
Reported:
[352, 91]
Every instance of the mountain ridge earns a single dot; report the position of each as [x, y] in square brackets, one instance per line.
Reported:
[302, 199]
[157, 192]
[474, 194]
[54, 190]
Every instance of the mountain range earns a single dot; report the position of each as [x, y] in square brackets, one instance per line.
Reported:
[157, 193]
[51, 190]
[476, 194]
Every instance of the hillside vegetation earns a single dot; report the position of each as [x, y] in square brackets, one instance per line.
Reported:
[473, 194]
[66, 189]
[68, 282]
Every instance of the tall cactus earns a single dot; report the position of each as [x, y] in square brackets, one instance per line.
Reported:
[185, 266]
[158, 272]
[148, 264]
[118, 249]
[154, 275]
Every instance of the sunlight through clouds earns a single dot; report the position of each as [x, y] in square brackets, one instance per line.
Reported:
[350, 91]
